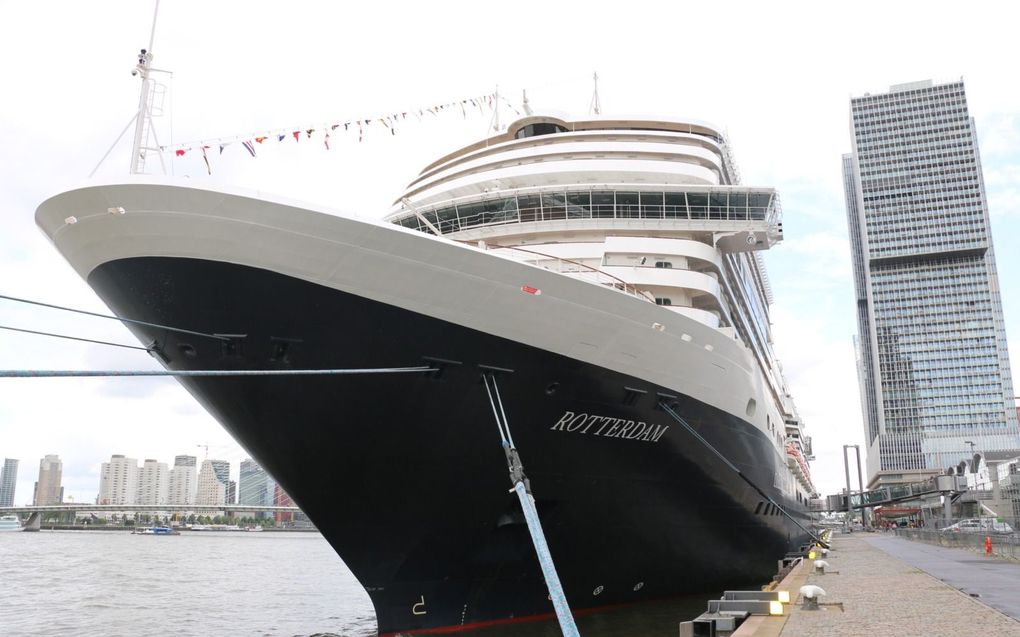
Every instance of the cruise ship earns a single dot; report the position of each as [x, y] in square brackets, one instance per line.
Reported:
[603, 274]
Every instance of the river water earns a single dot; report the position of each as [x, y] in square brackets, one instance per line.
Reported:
[223, 583]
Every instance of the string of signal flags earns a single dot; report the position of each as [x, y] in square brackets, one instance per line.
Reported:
[328, 133]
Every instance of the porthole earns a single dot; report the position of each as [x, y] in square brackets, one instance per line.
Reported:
[598, 590]
[639, 586]
[551, 388]
[187, 350]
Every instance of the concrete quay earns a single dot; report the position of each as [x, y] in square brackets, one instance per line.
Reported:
[891, 586]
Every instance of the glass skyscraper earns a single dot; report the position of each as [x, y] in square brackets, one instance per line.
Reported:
[8, 482]
[931, 345]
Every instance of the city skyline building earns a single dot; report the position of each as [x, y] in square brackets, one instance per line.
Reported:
[183, 481]
[153, 483]
[8, 481]
[933, 364]
[118, 481]
[48, 489]
[255, 486]
[211, 490]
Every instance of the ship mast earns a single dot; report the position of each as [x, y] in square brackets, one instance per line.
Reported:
[145, 133]
[145, 140]
[596, 104]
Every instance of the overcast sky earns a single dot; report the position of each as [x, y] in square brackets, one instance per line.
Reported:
[777, 76]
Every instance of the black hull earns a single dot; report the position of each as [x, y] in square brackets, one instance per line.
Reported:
[404, 474]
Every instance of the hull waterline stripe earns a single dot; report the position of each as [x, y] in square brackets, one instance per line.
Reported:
[71, 373]
[740, 473]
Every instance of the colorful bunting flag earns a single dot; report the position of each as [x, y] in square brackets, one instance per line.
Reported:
[389, 121]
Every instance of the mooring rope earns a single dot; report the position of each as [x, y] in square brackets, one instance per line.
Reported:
[522, 488]
[122, 320]
[72, 338]
[740, 473]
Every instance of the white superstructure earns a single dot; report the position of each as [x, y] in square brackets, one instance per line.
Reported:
[651, 207]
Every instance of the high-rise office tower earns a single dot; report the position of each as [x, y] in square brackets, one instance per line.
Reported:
[153, 483]
[256, 487]
[118, 481]
[210, 489]
[47, 488]
[8, 482]
[222, 470]
[932, 360]
[183, 481]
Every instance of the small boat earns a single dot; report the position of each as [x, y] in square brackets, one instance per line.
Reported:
[10, 523]
[155, 530]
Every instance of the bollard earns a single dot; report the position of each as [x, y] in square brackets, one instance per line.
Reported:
[988, 545]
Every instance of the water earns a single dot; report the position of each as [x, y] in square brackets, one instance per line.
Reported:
[216, 583]
[223, 583]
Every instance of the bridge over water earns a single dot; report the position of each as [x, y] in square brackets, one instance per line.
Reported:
[148, 508]
[35, 513]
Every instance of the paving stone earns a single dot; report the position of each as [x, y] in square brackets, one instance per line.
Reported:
[884, 595]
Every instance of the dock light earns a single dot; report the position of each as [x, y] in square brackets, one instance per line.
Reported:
[812, 555]
[775, 608]
[71, 220]
[784, 597]
[811, 593]
[117, 210]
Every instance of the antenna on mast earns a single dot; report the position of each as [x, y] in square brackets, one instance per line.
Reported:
[524, 103]
[596, 105]
[142, 119]
[144, 130]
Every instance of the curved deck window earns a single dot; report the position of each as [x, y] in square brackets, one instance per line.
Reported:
[552, 205]
[539, 128]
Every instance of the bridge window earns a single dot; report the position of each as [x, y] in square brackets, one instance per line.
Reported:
[675, 205]
[603, 204]
[651, 205]
[663, 301]
[664, 264]
[597, 204]
[698, 202]
[579, 205]
[553, 206]
[530, 207]
[627, 205]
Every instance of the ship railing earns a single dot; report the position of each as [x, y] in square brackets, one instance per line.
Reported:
[701, 205]
[575, 269]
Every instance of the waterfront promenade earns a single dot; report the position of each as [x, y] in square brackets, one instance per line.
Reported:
[892, 586]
